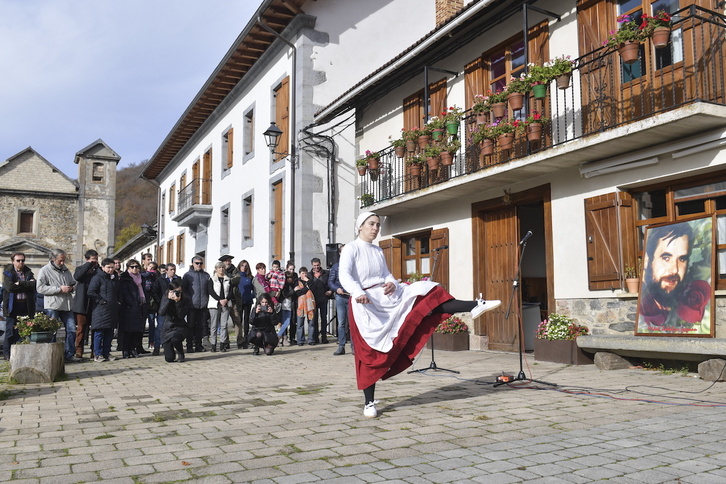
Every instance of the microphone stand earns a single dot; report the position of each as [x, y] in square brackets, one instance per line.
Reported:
[515, 286]
[432, 365]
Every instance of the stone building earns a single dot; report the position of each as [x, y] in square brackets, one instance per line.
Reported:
[41, 208]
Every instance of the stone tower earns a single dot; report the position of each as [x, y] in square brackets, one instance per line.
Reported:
[96, 198]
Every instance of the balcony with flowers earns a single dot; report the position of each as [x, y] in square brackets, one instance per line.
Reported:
[565, 113]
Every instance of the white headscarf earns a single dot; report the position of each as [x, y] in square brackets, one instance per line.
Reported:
[361, 220]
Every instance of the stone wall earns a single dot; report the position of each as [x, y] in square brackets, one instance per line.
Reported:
[617, 315]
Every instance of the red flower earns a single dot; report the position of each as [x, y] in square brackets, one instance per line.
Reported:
[695, 298]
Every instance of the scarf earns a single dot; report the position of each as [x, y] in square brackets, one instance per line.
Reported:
[361, 220]
[137, 280]
[306, 305]
[266, 286]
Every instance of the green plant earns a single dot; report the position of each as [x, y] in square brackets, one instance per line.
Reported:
[452, 115]
[649, 24]
[481, 103]
[38, 323]
[366, 199]
[539, 74]
[452, 325]
[432, 151]
[497, 97]
[436, 122]
[409, 134]
[484, 131]
[372, 155]
[560, 327]
[518, 84]
[452, 146]
[398, 142]
[629, 31]
[416, 160]
[559, 66]
[536, 117]
[631, 273]
[506, 125]
[361, 162]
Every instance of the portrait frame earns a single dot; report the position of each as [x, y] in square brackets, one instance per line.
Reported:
[670, 304]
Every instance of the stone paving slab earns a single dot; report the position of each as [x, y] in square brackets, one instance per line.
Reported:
[296, 417]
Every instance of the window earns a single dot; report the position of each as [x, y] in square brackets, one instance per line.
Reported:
[206, 195]
[228, 149]
[98, 172]
[160, 254]
[247, 220]
[180, 249]
[26, 219]
[413, 106]
[172, 197]
[416, 259]
[162, 212]
[248, 134]
[224, 227]
[419, 253]
[281, 96]
[170, 251]
[277, 220]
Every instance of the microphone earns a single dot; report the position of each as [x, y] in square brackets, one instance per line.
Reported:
[441, 248]
[526, 236]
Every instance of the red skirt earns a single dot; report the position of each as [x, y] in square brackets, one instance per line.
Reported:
[372, 365]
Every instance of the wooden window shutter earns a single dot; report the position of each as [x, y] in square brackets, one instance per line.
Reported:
[230, 147]
[595, 19]
[539, 40]
[473, 81]
[282, 117]
[437, 98]
[439, 238]
[611, 239]
[393, 254]
[413, 111]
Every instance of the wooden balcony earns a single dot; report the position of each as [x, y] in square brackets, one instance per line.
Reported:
[610, 109]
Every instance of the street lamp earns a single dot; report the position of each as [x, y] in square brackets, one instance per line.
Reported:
[272, 137]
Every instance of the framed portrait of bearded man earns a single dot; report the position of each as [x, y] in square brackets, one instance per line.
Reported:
[676, 288]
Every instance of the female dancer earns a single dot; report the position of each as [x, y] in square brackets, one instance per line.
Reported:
[390, 323]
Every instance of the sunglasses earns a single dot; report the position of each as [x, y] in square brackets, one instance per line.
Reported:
[19, 260]
[197, 263]
[133, 267]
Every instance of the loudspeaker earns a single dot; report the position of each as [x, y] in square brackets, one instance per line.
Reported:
[331, 254]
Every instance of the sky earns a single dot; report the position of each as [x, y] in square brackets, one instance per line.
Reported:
[74, 71]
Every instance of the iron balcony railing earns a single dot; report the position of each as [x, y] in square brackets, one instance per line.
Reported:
[197, 192]
[604, 93]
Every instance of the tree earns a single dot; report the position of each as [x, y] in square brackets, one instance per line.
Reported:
[135, 202]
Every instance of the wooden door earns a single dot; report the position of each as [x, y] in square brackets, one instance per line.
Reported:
[196, 188]
[207, 178]
[277, 220]
[501, 253]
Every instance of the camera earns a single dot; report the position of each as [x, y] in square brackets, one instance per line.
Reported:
[264, 308]
[176, 292]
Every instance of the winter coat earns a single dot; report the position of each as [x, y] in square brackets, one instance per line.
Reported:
[83, 276]
[10, 288]
[50, 280]
[242, 289]
[105, 305]
[195, 286]
[216, 289]
[319, 286]
[148, 279]
[161, 286]
[133, 312]
[174, 314]
[334, 281]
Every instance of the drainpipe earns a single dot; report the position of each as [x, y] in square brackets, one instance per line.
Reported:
[293, 126]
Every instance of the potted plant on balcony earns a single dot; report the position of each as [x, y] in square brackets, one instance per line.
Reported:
[452, 334]
[452, 118]
[433, 157]
[449, 150]
[534, 124]
[539, 76]
[399, 146]
[362, 166]
[414, 165]
[39, 328]
[632, 283]
[657, 27]
[481, 108]
[626, 39]
[437, 126]
[516, 89]
[373, 158]
[561, 69]
[555, 341]
[410, 136]
[423, 136]
[366, 200]
[485, 136]
[497, 102]
[506, 129]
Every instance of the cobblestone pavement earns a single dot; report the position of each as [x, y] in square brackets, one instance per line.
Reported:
[297, 416]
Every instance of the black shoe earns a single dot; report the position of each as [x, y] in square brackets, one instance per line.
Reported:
[240, 346]
[340, 351]
[223, 349]
[155, 352]
[301, 344]
[124, 355]
[214, 348]
[182, 359]
[140, 350]
[257, 351]
[201, 349]
[190, 350]
[312, 343]
[245, 346]
[324, 341]
[133, 354]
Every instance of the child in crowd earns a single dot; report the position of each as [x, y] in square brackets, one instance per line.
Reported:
[305, 309]
[277, 280]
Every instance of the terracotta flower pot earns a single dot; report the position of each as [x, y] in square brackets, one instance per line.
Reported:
[629, 52]
[534, 131]
[660, 37]
[633, 285]
[414, 169]
[515, 100]
[362, 170]
[452, 127]
[505, 141]
[437, 133]
[487, 147]
[400, 151]
[563, 81]
[482, 118]
[410, 146]
[423, 141]
[539, 91]
[499, 110]
[373, 163]
[433, 162]
[447, 159]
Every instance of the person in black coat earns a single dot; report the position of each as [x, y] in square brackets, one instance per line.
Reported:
[262, 332]
[81, 302]
[18, 298]
[133, 309]
[174, 307]
[103, 292]
[319, 286]
[160, 287]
